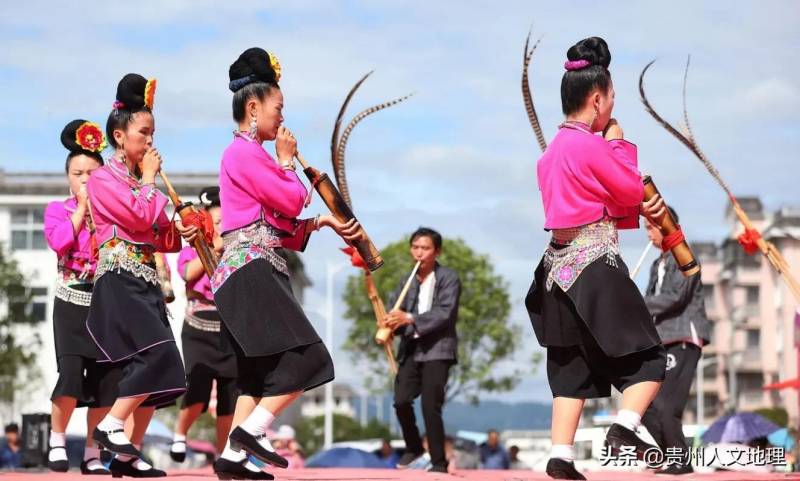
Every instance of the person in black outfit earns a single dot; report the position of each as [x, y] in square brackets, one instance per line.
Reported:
[676, 303]
[426, 322]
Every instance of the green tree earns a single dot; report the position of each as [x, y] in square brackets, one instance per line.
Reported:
[486, 337]
[310, 432]
[17, 352]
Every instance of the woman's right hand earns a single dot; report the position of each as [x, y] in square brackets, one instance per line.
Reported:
[285, 145]
[613, 131]
[151, 164]
[349, 231]
[82, 197]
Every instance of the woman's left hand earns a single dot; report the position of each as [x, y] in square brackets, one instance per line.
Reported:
[189, 233]
[349, 231]
[654, 209]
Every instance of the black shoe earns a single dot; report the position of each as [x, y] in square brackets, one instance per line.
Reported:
[407, 458]
[676, 469]
[241, 439]
[101, 438]
[619, 436]
[226, 469]
[437, 469]
[177, 456]
[120, 469]
[61, 466]
[85, 468]
[558, 468]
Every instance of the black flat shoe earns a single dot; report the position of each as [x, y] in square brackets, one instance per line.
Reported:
[226, 469]
[61, 466]
[558, 468]
[177, 456]
[241, 439]
[85, 468]
[619, 436]
[120, 469]
[406, 459]
[101, 438]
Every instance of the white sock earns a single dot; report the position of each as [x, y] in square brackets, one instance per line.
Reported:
[110, 423]
[57, 440]
[628, 419]
[258, 421]
[93, 454]
[178, 444]
[563, 451]
[231, 455]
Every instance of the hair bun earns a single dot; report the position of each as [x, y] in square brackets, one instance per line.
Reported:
[135, 92]
[592, 49]
[209, 196]
[82, 136]
[254, 65]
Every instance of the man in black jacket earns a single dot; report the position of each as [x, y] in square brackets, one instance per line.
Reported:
[426, 322]
[677, 306]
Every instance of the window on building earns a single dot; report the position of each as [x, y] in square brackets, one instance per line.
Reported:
[27, 228]
[708, 296]
[753, 338]
[36, 308]
[752, 295]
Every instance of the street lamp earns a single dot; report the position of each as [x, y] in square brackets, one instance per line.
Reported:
[331, 270]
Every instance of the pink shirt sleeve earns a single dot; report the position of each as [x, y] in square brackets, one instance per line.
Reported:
[116, 202]
[58, 228]
[618, 173]
[273, 187]
[186, 256]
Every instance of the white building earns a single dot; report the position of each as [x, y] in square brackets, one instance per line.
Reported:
[23, 198]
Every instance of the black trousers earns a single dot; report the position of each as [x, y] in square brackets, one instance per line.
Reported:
[428, 379]
[663, 418]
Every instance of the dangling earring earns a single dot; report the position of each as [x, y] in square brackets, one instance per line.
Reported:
[594, 117]
[253, 127]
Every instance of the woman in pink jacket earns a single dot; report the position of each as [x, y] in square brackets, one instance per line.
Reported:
[279, 354]
[128, 317]
[584, 308]
[67, 233]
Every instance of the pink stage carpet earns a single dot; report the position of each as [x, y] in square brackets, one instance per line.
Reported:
[342, 474]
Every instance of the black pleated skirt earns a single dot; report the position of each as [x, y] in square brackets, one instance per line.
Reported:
[603, 299]
[79, 375]
[278, 350]
[128, 322]
[210, 351]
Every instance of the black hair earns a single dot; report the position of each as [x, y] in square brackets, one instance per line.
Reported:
[427, 232]
[69, 139]
[576, 85]
[130, 101]
[209, 197]
[259, 90]
[251, 75]
[12, 428]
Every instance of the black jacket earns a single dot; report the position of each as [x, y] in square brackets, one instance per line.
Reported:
[436, 328]
[679, 305]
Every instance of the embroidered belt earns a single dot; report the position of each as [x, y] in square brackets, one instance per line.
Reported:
[255, 241]
[572, 250]
[195, 306]
[137, 259]
[73, 296]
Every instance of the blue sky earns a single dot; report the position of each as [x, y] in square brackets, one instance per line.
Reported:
[460, 155]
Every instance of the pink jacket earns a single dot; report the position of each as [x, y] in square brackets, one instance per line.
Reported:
[74, 251]
[122, 207]
[252, 186]
[583, 177]
[201, 285]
